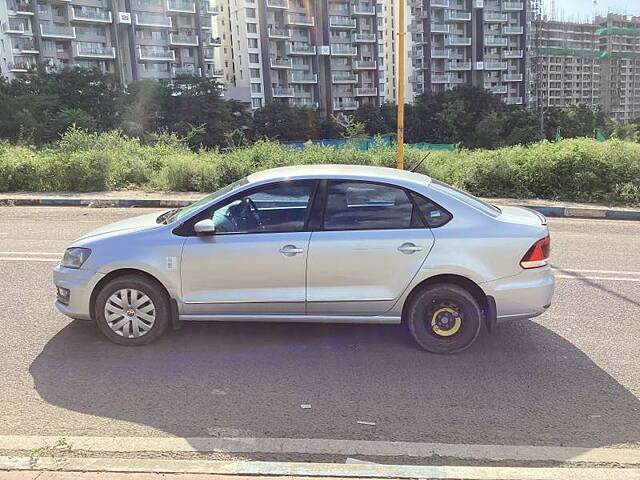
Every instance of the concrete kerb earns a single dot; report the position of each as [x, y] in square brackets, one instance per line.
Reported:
[547, 210]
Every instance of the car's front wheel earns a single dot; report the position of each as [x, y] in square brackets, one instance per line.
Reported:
[132, 310]
[444, 318]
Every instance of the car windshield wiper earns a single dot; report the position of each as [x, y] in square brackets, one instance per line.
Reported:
[164, 217]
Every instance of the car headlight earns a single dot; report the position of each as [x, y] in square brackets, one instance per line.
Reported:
[74, 257]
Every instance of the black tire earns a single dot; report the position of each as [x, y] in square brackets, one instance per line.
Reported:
[151, 289]
[444, 318]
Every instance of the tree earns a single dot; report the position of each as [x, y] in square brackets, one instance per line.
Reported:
[72, 117]
[371, 118]
[141, 108]
[284, 122]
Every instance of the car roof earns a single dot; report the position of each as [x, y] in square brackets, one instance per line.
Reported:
[352, 172]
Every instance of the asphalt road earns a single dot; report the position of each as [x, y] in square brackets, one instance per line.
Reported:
[570, 377]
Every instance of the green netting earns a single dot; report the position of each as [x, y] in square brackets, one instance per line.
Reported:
[567, 51]
[618, 31]
[599, 136]
[619, 54]
[441, 147]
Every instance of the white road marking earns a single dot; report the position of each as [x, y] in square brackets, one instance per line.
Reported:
[25, 259]
[30, 253]
[349, 448]
[617, 272]
[71, 467]
[614, 279]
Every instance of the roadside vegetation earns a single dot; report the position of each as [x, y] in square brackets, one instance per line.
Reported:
[581, 170]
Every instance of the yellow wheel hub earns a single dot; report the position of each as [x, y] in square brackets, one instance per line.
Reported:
[446, 322]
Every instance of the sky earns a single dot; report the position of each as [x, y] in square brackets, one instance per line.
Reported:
[584, 9]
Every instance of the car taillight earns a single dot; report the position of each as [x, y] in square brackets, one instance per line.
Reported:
[538, 255]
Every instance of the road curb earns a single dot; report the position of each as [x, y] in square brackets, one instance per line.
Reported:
[547, 210]
[332, 470]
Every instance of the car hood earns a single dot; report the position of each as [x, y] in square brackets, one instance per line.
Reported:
[521, 215]
[134, 224]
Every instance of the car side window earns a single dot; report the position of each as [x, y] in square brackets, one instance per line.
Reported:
[367, 206]
[277, 208]
[434, 214]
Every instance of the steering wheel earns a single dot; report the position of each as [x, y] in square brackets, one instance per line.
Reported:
[250, 210]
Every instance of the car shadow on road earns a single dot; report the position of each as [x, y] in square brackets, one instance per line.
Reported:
[524, 384]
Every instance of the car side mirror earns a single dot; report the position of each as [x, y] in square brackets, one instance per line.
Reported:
[205, 227]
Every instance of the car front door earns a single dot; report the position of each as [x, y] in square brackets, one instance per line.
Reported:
[255, 262]
[370, 244]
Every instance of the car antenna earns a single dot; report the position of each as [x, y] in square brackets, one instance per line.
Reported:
[420, 162]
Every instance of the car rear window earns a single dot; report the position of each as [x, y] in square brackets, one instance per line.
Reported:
[466, 198]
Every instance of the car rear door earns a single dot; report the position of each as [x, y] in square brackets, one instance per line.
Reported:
[370, 243]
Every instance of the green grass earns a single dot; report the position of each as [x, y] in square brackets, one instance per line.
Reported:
[576, 170]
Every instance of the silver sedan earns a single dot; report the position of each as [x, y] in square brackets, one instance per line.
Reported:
[321, 243]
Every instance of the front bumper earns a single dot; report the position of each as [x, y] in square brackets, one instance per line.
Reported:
[80, 284]
[525, 295]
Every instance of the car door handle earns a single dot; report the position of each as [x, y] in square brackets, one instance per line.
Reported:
[290, 250]
[409, 248]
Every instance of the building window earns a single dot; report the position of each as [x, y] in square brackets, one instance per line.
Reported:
[254, 72]
[256, 88]
[252, 28]
[256, 102]
[253, 42]
[254, 58]
[251, 13]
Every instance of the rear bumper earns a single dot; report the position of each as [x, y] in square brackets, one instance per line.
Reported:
[80, 284]
[525, 295]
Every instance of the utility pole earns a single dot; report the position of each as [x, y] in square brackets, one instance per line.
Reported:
[400, 89]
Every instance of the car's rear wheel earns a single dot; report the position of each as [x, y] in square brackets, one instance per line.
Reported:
[132, 310]
[444, 318]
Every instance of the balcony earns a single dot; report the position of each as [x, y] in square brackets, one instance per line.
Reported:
[205, 22]
[206, 8]
[497, 90]
[300, 20]
[510, 30]
[156, 54]
[304, 103]
[55, 31]
[457, 16]
[345, 105]
[341, 22]
[282, 92]
[512, 6]
[217, 73]
[181, 6]
[438, 28]
[496, 17]
[186, 70]
[494, 65]
[90, 14]
[302, 77]
[478, 3]
[344, 77]
[512, 54]
[183, 40]
[459, 65]
[364, 65]
[493, 41]
[439, 3]
[20, 8]
[214, 42]
[208, 55]
[84, 50]
[16, 27]
[281, 63]
[366, 92]
[279, 32]
[153, 20]
[363, 10]
[416, 79]
[24, 46]
[21, 66]
[440, 53]
[458, 42]
[513, 100]
[301, 49]
[416, 27]
[440, 78]
[343, 49]
[364, 38]
[284, 4]
[512, 77]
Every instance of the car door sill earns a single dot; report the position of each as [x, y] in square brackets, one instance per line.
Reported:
[291, 318]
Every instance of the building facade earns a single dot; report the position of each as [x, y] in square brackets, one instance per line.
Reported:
[463, 42]
[325, 54]
[132, 39]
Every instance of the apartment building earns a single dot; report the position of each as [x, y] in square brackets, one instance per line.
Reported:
[565, 64]
[133, 39]
[462, 42]
[325, 54]
[618, 38]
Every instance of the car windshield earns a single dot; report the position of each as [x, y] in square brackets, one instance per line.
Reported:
[467, 198]
[179, 214]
